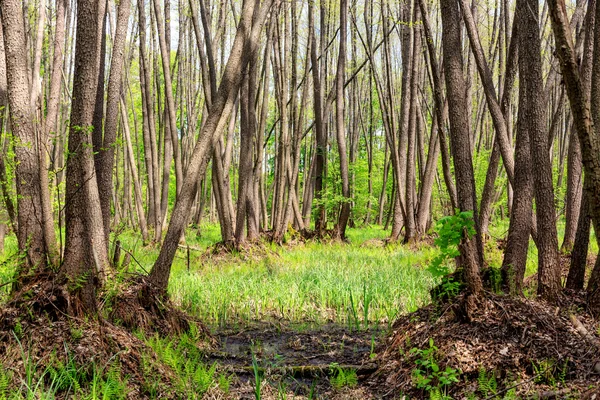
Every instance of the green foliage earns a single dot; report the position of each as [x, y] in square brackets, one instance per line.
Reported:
[77, 282]
[258, 377]
[495, 277]
[351, 284]
[450, 231]
[109, 386]
[224, 382]
[5, 379]
[341, 377]
[67, 376]
[429, 376]
[181, 354]
[486, 382]
[550, 372]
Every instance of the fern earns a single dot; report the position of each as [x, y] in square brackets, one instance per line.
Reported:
[487, 383]
[113, 387]
[5, 379]
[435, 394]
[204, 378]
[342, 377]
[224, 383]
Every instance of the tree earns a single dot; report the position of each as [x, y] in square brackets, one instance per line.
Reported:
[106, 155]
[581, 116]
[244, 44]
[340, 123]
[459, 137]
[515, 255]
[30, 233]
[86, 256]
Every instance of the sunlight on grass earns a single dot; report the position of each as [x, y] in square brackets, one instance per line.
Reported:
[317, 282]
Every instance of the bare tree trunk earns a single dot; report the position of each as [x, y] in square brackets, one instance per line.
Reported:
[411, 175]
[170, 102]
[574, 193]
[42, 144]
[460, 137]
[340, 123]
[86, 254]
[98, 124]
[134, 172]
[515, 255]
[30, 233]
[106, 156]
[439, 104]
[152, 167]
[531, 78]
[489, 189]
[321, 138]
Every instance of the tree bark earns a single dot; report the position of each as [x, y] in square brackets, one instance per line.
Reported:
[106, 156]
[515, 255]
[460, 137]
[30, 233]
[340, 123]
[86, 255]
[170, 102]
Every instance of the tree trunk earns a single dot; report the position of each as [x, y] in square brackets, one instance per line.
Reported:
[152, 166]
[321, 138]
[531, 78]
[460, 136]
[574, 193]
[515, 255]
[30, 233]
[340, 123]
[86, 254]
[244, 44]
[170, 102]
[106, 156]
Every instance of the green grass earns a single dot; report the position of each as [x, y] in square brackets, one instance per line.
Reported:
[317, 282]
[357, 284]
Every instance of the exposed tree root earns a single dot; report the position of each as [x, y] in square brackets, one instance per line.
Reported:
[141, 306]
[39, 335]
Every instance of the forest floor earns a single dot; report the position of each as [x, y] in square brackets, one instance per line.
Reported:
[328, 321]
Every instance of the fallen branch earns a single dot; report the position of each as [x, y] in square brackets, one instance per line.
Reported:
[584, 332]
[301, 371]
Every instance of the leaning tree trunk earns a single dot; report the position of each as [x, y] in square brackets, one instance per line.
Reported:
[582, 117]
[244, 44]
[580, 241]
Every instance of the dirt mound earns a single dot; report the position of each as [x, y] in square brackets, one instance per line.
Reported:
[509, 345]
[138, 305]
[42, 346]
